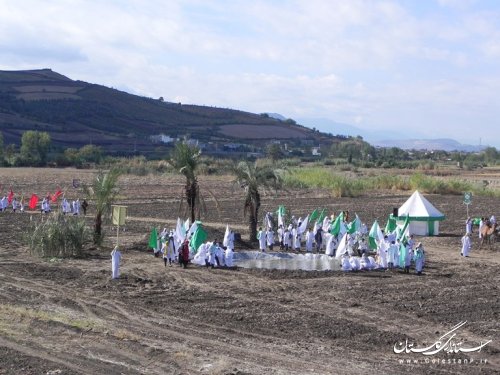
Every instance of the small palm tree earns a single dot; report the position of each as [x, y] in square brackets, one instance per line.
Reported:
[102, 192]
[185, 159]
[253, 177]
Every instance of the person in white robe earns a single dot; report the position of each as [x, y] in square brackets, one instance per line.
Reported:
[419, 258]
[468, 225]
[481, 224]
[212, 252]
[116, 256]
[164, 253]
[309, 241]
[287, 239]
[261, 236]
[14, 205]
[296, 239]
[391, 255]
[3, 203]
[373, 263]
[281, 233]
[331, 244]
[411, 242]
[76, 207]
[408, 257]
[65, 206]
[493, 220]
[221, 256]
[230, 240]
[345, 264]
[364, 263]
[170, 247]
[382, 254]
[229, 257]
[355, 263]
[270, 239]
[466, 245]
[201, 257]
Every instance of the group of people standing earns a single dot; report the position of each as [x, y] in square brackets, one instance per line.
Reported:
[469, 223]
[210, 254]
[73, 208]
[14, 203]
[349, 245]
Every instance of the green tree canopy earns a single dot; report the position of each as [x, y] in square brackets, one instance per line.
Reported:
[34, 147]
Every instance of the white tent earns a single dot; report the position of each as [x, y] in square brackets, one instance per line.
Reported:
[424, 217]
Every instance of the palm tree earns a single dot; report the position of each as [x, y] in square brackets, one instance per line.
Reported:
[102, 192]
[185, 159]
[253, 177]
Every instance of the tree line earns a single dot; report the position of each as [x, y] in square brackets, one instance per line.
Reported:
[36, 150]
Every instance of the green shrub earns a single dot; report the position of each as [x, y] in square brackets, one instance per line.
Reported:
[58, 236]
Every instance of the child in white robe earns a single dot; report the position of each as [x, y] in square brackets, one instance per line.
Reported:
[382, 255]
[309, 241]
[419, 258]
[116, 256]
[466, 245]
[261, 236]
[346, 265]
[355, 263]
[270, 239]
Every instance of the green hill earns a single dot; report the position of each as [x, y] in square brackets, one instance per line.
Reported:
[76, 113]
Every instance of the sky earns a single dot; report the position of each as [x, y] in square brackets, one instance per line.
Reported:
[418, 68]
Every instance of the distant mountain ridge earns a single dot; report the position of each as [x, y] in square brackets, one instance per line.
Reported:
[76, 113]
[443, 144]
[390, 139]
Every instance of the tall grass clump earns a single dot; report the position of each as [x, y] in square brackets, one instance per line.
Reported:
[431, 185]
[389, 182]
[58, 236]
[322, 178]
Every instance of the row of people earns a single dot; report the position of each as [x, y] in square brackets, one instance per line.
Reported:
[73, 208]
[368, 262]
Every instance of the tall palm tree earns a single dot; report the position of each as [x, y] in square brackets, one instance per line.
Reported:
[254, 177]
[185, 159]
[102, 193]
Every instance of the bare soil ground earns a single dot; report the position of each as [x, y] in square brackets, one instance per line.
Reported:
[69, 317]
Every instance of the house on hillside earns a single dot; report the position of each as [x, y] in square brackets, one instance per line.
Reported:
[161, 138]
[315, 151]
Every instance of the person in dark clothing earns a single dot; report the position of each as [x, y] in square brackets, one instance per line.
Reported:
[84, 207]
[318, 238]
[184, 253]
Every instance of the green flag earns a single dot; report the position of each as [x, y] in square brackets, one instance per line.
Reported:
[198, 238]
[321, 216]
[314, 215]
[281, 215]
[354, 225]
[373, 236]
[335, 228]
[153, 239]
[391, 224]
[402, 232]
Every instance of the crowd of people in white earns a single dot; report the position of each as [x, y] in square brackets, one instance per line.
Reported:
[392, 250]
